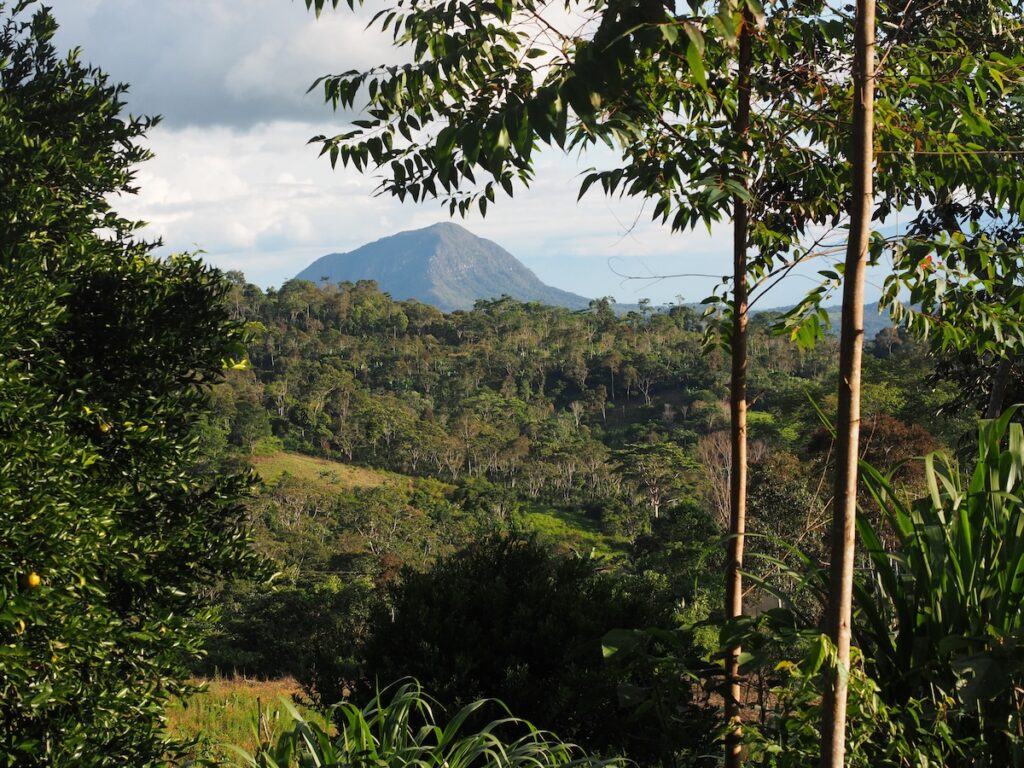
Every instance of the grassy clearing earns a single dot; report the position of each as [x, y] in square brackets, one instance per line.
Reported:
[564, 528]
[331, 476]
[572, 530]
[228, 713]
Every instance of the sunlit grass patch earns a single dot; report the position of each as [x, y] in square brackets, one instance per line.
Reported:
[329, 476]
[239, 712]
[572, 530]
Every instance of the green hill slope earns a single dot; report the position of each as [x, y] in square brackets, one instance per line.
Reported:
[324, 475]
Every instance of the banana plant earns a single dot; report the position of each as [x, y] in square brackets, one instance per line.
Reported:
[941, 608]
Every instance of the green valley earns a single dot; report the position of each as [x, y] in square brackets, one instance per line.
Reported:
[417, 508]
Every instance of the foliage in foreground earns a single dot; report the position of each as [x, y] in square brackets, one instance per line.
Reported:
[880, 734]
[937, 616]
[404, 731]
[110, 539]
[941, 617]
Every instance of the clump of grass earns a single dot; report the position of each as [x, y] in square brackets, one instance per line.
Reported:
[403, 732]
[244, 713]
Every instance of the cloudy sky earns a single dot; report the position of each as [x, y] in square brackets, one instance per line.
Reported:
[233, 174]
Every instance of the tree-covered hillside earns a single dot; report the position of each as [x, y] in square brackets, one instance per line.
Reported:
[544, 400]
[599, 433]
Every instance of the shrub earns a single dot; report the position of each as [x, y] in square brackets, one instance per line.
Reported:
[880, 734]
[326, 620]
[937, 613]
[508, 618]
[941, 613]
[111, 539]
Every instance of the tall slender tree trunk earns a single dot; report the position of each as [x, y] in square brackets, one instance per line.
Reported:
[998, 392]
[844, 511]
[738, 406]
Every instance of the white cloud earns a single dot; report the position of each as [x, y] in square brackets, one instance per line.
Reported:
[261, 200]
[285, 65]
[217, 62]
[234, 176]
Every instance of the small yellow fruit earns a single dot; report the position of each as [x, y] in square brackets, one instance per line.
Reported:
[104, 427]
[34, 580]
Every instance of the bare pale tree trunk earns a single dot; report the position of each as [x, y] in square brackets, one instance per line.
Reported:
[738, 408]
[844, 511]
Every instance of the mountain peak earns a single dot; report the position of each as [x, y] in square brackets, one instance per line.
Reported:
[444, 264]
[445, 226]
